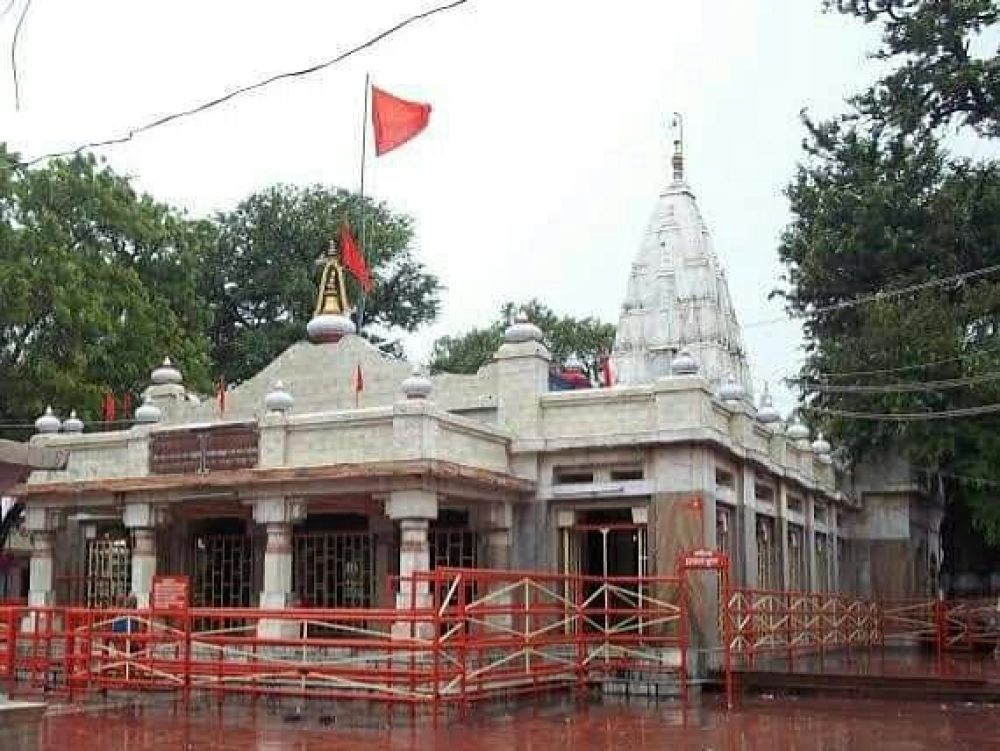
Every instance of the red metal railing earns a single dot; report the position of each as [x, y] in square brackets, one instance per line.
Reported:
[465, 634]
[792, 624]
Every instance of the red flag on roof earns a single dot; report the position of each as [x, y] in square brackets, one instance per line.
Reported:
[358, 382]
[396, 120]
[354, 260]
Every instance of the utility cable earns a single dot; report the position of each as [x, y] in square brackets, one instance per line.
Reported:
[877, 296]
[949, 414]
[902, 368]
[911, 386]
[166, 119]
[13, 53]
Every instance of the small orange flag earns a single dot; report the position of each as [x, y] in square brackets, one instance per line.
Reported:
[354, 260]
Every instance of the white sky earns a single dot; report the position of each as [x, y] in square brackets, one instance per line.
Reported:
[547, 145]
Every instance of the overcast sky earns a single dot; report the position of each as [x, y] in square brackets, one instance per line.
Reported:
[548, 141]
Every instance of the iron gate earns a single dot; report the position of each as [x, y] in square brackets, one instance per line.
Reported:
[334, 569]
[222, 570]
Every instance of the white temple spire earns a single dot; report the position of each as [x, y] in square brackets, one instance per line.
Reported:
[677, 297]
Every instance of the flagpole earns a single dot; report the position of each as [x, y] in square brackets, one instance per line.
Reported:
[364, 149]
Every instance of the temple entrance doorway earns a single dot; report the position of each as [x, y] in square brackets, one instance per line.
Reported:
[609, 543]
[606, 543]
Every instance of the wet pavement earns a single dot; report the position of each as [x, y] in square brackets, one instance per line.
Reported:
[768, 724]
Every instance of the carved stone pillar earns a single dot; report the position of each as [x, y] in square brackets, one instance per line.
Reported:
[42, 524]
[142, 519]
[413, 510]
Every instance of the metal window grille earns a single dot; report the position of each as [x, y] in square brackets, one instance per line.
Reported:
[334, 569]
[454, 548]
[222, 571]
[796, 558]
[822, 563]
[108, 574]
[767, 557]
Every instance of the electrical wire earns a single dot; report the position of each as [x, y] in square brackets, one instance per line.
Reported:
[902, 368]
[877, 296]
[911, 386]
[949, 414]
[166, 119]
[13, 54]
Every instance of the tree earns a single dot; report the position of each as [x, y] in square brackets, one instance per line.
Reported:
[585, 338]
[946, 70]
[96, 288]
[879, 210]
[260, 279]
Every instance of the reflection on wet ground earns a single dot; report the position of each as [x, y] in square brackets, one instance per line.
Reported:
[910, 663]
[760, 723]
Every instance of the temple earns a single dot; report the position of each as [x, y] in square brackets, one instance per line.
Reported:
[306, 490]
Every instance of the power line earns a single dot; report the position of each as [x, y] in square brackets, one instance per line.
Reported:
[911, 386]
[949, 414]
[13, 53]
[903, 368]
[166, 119]
[877, 296]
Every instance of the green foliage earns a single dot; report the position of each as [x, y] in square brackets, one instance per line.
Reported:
[947, 67]
[260, 279]
[96, 288]
[878, 210]
[585, 338]
[98, 283]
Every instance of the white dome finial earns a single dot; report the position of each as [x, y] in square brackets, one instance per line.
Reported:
[166, 374]
[48, 422]
[72, 424]
[766, 413]
[148, 412]
[522, 330]
[278, 399]
[417, 385]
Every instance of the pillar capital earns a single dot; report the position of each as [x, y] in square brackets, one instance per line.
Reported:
[144, 515]
[278, 510]
[412, 504]
[42, 519]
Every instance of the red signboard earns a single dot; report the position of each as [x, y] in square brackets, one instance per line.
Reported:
[171, 592]
[703, 558]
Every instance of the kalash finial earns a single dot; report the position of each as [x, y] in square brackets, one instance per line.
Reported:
[330, 322]
[677, 132]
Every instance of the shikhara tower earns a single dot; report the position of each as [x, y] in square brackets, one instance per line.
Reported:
[677, 299]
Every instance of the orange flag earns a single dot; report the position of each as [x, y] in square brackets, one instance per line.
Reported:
[396, 120]
[354, 260]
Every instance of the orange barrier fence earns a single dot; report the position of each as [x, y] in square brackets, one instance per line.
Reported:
[764, 622]
[787, 624]
[460, 635]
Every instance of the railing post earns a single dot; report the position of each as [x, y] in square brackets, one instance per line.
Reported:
[727, 646]
[940, 627]
[12, 628]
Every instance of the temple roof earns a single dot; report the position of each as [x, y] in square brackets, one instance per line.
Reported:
[677, 297]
